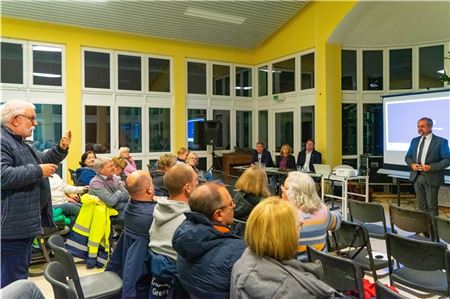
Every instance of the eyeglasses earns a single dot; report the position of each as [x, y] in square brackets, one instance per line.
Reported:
[232, 205]
[299, 225]
[30, 118]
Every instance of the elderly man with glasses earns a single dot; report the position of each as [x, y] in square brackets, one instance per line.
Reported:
[26, 200]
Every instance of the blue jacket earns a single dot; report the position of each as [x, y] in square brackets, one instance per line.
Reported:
[26, 200]
[84, 176]
[266, 158]
[138, 217]
[205, 256]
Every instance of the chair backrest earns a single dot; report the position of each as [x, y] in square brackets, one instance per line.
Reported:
[416, 254]
[411, 220]
[368, 212]
[65, 258]
[55, 274]
[350, 235]
[218, 175]
[73, 176]
[341, 274]
[232, 179]
[385, 292]
[442, 229]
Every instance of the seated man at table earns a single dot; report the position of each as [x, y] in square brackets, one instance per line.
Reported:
[262, 156]
[309, 156]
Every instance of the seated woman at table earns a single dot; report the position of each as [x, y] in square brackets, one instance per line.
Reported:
[285, 160]
[251, 187]
[299, 188]
[86, 172]
[268, 268]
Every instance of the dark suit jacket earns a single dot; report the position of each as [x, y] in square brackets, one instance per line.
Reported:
[290, 162]
[316, 158]
[266, 158]
[438, 157]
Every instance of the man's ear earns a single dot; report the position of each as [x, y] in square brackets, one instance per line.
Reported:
[217, 216]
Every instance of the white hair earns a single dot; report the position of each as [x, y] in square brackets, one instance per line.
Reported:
[123, 150]
[99, 163]
[11, 109]
[301, 191]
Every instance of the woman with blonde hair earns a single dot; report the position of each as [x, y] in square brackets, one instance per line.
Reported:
[268, 268]
[285, 160]
[300, 189]
[124, 153]
[251, 187]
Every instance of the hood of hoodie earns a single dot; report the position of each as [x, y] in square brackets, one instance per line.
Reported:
[196, 236]
[167, 209]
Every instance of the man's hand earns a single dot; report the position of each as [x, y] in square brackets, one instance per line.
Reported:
[426, 168]
[48, 169]
[66, 139]
[415, 167]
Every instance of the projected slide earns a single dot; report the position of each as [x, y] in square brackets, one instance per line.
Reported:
[401, 113]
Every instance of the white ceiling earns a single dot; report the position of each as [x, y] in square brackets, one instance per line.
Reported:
[394, 23]
[165, 19]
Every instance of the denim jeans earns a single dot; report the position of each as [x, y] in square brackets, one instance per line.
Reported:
[16, 257]
[22, 289]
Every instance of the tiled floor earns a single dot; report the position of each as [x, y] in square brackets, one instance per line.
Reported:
[377, 245]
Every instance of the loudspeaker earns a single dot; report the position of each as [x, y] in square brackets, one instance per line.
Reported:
[212, 132]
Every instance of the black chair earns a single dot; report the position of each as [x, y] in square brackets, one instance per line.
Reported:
[442, 229]
[421, 265]
[73, 176]
[232, 179]
[369, 213]
[385, 292]
[341, 274]
[352, 241]
[99, 285]
[230, 190]
[218, 175]
[56, 275]
[412, 221]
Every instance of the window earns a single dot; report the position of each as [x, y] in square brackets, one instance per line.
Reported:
[262, 81]
[221, 80]
[373, 70]
[159, 75]
[196, 77]
[349, 130]
[283, 76]
[373, 129]
[130, 130]
[12, 63]
[284, 129]
[348, 70]
[97, 70]
[223, 116]
[307, 117]
[263, 126]
[49, 131]
[97, 129]
[431, 62]
[47, 65]
[400, 69]
[159, 129]
[243, 82]
[195, 127]
[129, 72]
[307, 67]
[243, 129]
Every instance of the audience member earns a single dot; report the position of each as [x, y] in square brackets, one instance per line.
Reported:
[21, 289]
[86, 172]
[164, 163]
[180, 181]
[192, 160]
[108, 188]
[251, 187]
[124, 153]
[206, 247]
[300, 189]
[119, 165]
[309, 156]
[65, 197]
[268, 268]
[182, 154]
[262, 156]
[138, 213]
[285, 160]
[26, 199]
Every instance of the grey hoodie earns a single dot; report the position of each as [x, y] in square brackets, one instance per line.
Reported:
[168, 215]
[256, 277]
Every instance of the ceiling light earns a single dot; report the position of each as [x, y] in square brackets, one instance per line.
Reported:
[46, 75]
[211, 15]
[46, 49]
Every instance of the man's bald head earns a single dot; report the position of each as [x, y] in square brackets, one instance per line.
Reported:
[140, 185]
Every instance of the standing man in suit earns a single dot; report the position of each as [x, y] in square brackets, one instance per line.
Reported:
[427, 157]
[309, 156]
[261, 155]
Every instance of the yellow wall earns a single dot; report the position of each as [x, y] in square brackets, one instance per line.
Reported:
[309, 29]
[76, 38]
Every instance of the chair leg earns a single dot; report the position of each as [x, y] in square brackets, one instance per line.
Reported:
[44, 249]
